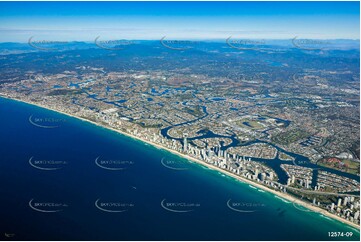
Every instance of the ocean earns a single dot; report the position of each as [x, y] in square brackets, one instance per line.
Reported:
[65, 179]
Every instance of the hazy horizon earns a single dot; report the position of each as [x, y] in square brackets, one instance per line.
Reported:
[83, 21]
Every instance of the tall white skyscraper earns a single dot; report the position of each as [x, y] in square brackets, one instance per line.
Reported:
[185, 144]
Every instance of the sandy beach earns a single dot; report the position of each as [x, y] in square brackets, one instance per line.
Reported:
[283, 196]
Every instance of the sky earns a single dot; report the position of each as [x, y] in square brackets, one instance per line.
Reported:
[84, 21]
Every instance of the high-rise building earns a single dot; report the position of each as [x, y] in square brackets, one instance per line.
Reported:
[263, 176]
[339, 202]
[357, 215]
[345, 200]
[185, 144]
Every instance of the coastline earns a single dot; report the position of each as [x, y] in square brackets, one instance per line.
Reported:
[277, 194]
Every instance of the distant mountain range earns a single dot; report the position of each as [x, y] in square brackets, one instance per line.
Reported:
[212, 45]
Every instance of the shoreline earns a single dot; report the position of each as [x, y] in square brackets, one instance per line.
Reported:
[277, 194]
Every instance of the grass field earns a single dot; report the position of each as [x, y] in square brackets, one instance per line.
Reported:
[290, 136]
[250, 124]
[352, 167]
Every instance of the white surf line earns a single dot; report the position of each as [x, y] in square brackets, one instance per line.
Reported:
[282, 199]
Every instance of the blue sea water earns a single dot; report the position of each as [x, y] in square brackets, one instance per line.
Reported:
[197, 194]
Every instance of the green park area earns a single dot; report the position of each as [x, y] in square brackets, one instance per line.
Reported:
[249, 123]
[345, 165]
[290, 136]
